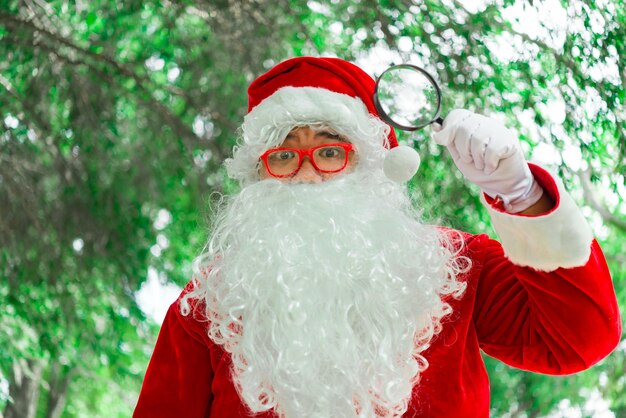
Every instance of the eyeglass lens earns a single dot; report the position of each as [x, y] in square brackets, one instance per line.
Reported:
[285, 162]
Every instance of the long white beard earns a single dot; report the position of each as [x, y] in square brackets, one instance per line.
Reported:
[325, 294]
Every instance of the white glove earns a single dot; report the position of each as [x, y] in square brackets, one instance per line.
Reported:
[489, 155]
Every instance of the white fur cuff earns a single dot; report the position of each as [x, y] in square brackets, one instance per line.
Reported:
[561, 238]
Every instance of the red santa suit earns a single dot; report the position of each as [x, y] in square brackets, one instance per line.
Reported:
[541, 299]
[543, 303]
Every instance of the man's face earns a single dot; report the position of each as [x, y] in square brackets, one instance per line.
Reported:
[306, 138]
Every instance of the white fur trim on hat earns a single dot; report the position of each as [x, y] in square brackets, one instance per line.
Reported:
[561, 238]
[291, 106]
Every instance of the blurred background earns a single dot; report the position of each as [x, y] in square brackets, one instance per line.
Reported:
[115, 117]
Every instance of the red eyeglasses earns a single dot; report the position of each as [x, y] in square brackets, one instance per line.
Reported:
[327, 158]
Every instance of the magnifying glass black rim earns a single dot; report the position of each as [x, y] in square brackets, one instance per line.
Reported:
[384, 114]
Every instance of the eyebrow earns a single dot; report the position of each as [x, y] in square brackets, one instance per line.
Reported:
[325, 133]
[330, 134]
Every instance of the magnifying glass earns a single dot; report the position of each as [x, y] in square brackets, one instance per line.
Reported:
[407, 97]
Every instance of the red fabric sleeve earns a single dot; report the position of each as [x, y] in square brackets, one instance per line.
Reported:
[179, 376]
[557, 322]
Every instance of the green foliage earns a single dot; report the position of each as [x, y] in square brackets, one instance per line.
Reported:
[113, 113]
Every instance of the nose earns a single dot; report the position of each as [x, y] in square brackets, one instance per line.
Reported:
[307, 173]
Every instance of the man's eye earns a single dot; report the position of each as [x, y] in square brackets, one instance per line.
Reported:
[331, 152]
[282, 155]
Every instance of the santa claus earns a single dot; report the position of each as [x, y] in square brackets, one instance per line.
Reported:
[321, 294]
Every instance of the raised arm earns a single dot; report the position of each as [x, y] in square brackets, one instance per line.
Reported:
[545, 301]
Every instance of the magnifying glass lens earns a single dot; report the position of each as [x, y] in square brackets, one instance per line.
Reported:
[408, 97]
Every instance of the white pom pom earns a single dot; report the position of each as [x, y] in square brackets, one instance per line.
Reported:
[401, 163]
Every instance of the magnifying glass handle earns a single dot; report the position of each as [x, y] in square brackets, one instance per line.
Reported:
[437, 123]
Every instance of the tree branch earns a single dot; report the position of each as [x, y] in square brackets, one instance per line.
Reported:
[592, 199]
[183, 130]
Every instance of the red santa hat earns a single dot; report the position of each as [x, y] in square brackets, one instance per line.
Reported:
[323, 90]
